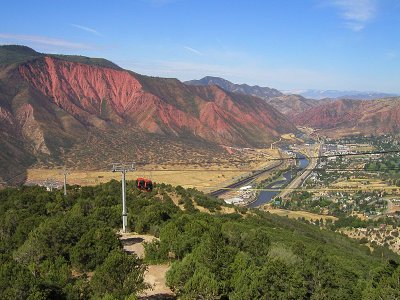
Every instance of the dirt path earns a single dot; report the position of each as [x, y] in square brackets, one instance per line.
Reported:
[133, 243]
[155, 274]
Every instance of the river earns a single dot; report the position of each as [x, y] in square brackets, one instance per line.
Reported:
[266, 196]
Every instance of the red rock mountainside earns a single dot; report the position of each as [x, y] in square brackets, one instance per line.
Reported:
[49, 104]
[103, 97]
[349, 117]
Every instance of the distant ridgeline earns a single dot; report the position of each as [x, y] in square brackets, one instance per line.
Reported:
[51, 243]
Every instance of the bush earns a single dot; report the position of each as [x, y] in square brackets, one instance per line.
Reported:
[93, 248]
[155, 252]
[121, 275]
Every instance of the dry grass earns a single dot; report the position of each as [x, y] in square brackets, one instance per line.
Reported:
[361, 147]
[201, 180]
[288, 136]
[394, 209]
[203, 177]
[306, 130]
[359, 183]
[298, 214]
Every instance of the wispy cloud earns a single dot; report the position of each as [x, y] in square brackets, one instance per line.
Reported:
[283, 78]
[87, 29]
[356, 13]
[391, 55]
[193, 50]
[43, 40]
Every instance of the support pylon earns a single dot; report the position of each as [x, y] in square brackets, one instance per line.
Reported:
[123, 168]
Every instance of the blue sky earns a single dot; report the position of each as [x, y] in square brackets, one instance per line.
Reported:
[321, 44]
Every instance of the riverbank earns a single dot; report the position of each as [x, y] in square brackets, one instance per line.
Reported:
[313, 161]
[266, 196]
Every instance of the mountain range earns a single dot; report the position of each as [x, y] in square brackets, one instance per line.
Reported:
[336, 94]
[88, 112]
[333, 117]
[353, 117]
[51, 105]
[261, 92]
[290, 105]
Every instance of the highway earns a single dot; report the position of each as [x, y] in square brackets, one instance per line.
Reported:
[295, 183]
[244, 181]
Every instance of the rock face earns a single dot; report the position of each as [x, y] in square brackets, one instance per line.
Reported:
[349, 117]
[103, 97]
[49, 104]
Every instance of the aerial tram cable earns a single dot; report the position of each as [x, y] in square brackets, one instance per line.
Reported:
[300, 157]
[250, 170]
[13, 177]
[293, 169]
[261, 160]
[301, 189]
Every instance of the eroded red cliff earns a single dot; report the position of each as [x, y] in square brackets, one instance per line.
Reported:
[102, 97]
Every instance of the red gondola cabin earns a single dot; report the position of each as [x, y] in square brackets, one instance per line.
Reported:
[144, 184]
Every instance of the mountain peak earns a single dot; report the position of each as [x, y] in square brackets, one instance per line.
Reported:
[214, 79]
[10, 54]
[19, 49]
[15, 54]
[92, 61]
[261, 92]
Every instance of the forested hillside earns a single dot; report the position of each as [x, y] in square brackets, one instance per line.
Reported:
[57, 247]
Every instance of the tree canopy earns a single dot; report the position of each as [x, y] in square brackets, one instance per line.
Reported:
[66, 247]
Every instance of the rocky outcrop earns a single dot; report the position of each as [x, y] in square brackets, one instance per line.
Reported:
[31, 129]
